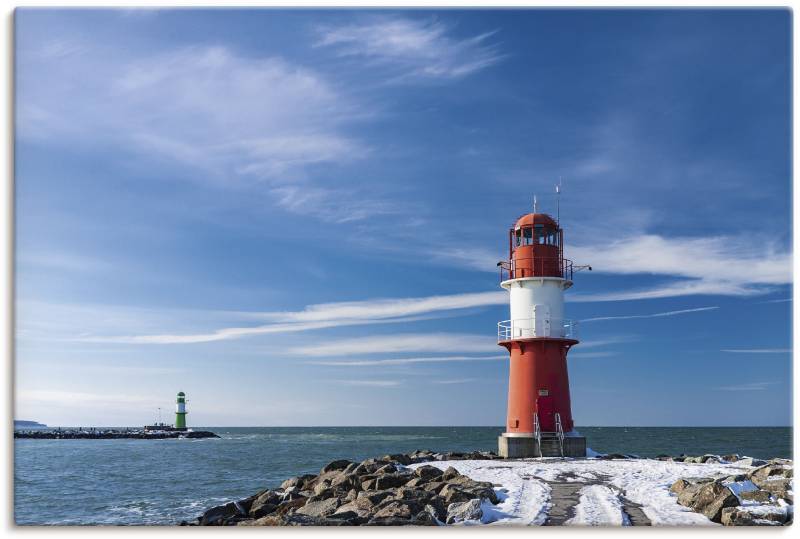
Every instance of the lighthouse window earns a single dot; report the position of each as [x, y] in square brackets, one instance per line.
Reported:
[527, 236]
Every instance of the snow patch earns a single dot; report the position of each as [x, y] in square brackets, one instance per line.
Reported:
[599, 506]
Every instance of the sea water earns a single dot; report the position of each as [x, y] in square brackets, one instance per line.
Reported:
[166, 481]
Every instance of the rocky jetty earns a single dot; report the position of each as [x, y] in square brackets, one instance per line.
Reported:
[111, 434]
[374, 492]
[761, 497]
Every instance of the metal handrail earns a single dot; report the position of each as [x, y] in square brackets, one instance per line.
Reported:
[560, 432]
[537, 432]
[509, 269]
[528, 328]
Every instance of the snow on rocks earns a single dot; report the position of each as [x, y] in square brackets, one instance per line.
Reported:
[761, 496]
[426, 488]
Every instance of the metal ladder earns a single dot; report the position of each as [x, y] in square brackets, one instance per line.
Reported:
[560, 433]
[537, 432]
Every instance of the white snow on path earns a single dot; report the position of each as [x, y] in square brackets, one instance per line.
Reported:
[599, 506]
[524, 493]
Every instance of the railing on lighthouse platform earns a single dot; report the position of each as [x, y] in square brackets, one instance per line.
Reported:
[535, 266]
[531, 328]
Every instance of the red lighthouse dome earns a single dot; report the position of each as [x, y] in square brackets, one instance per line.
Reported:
[535, 248]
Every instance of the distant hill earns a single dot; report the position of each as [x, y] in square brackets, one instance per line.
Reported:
[20, 424]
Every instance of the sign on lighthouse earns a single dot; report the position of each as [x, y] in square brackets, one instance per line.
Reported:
[538, 338]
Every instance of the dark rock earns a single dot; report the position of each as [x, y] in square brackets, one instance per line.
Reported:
[335, 466]
[216, 516]
[435, 486]
[321, 508]
[264, 504]
[390, 481]
[367, 466]
[416, 482]
[425, 518]
[386, 468]
[463, 511]
[731, 458]
[374, 497]
[405, 460]
[428, 473]
[760, 496]
[740, 516]
[679, 485]
[394, 509]
[346, 482]
[453, 494]
[712, 498]
[290, 506]
[449, 474]
[298, 482]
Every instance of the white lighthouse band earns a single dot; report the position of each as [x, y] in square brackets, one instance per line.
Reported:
[536, 309]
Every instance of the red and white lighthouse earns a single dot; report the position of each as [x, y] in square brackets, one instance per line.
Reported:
[538, 338]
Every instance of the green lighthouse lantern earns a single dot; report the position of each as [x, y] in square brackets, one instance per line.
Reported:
[180, 412]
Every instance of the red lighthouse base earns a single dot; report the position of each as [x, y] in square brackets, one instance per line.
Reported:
[538, 387]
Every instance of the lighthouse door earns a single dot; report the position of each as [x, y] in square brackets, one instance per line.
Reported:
[541, 320]
[545, 409]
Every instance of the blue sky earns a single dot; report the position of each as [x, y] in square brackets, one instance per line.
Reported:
[295, 216]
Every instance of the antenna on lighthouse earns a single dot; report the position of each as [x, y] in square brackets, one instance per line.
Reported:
[535, 205]
[558, 202]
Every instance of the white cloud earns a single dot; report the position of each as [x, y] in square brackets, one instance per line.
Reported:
[325, 315]
[454, 381]
[370, 383]
[752, 386]
[248, 121]
[654, 315]
[759, 351]
[394, 343]
[715, 265]
[418, 48]
[405, 361]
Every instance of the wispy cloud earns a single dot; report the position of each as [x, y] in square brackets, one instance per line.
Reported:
[416, 48]
[454, 381]
[325, 315]
[752, 386]
[258, 123]
[370, 383]
[708, 266]
[757, 350]
[654, 315]
[405, 361]
[590, 355]
[394, 343]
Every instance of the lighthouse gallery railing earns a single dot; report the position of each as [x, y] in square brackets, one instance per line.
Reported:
[529, 328]
[531, 266]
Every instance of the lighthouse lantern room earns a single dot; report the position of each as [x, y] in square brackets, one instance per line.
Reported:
[538, 338]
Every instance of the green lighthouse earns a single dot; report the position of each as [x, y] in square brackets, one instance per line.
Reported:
[180, 412]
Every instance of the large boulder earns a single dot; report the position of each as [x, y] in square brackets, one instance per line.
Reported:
[428, 473]
[336, 465]
[395, 509]
[321, 508]
[760, 516]
[405, 460]
[453, 494]
[298, 482]
[264, 504]
[464, 511]
[392, 480]
[712, 498]
[217, 516]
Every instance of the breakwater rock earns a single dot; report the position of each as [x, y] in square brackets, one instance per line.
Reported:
[761, 497]
[111, 434]
[374, 492]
